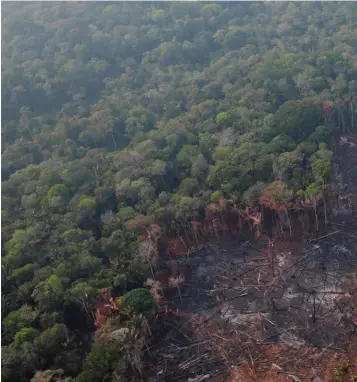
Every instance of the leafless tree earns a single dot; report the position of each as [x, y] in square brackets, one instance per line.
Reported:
[175, 282]
[226, 137]
[148, 252]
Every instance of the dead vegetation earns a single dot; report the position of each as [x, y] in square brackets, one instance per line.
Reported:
[261, 311]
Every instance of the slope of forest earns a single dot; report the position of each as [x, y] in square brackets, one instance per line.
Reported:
[131, 132]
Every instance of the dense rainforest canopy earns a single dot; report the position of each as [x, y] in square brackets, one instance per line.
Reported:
[119, 116]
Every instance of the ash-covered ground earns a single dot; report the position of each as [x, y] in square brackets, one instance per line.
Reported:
[292, 295]
[241, 298]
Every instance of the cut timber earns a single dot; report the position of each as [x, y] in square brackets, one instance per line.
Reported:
[325, 236]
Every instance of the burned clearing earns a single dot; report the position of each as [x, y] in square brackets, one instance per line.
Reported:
[241, 298]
